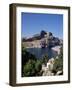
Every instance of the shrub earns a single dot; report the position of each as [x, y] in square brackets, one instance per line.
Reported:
[26, 56]
[38, 66]
[58, 63]
[45, 59]
[32, 68]
[29, 68]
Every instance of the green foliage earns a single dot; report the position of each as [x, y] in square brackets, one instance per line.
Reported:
[29, 68]
[58, 65]
[38, 66]
[30, 65]
[58, 62]
[32, 68]
[26, 57]
[45, 59]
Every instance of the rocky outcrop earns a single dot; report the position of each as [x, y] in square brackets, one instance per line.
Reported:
[47, 70]
[44, 39]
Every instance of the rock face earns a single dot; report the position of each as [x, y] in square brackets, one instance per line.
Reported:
[47, 70]
[48, 73]
[44, 39]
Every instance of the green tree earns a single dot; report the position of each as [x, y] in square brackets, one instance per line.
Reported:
[32, 68]
[38, 66]
[45, 59]
[58, 62]
[26, 56]
[29, 68]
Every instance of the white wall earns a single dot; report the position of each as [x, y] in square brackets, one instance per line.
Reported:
[4, 45]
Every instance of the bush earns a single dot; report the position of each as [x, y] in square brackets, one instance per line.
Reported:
[26, 56]
[38, 66]
[58, 63]
[32, 68]
[29, 68]
[45, 59]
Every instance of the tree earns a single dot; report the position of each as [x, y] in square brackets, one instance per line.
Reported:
[29, 68]
[45, 59]
[38, 66]
[32, 68]
[26, 56]
[58, 62]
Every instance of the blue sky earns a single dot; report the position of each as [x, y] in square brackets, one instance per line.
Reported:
[33, 23]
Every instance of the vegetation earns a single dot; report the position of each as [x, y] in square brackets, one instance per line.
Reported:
[45, 59]
[38, 66]
[58, 62]
[31, 66]
[26, 57]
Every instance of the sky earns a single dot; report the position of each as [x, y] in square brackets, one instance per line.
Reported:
[33, 23]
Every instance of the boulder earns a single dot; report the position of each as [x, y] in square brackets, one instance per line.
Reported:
[59, 73]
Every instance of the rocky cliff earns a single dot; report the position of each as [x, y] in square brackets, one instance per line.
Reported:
[43, 39]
